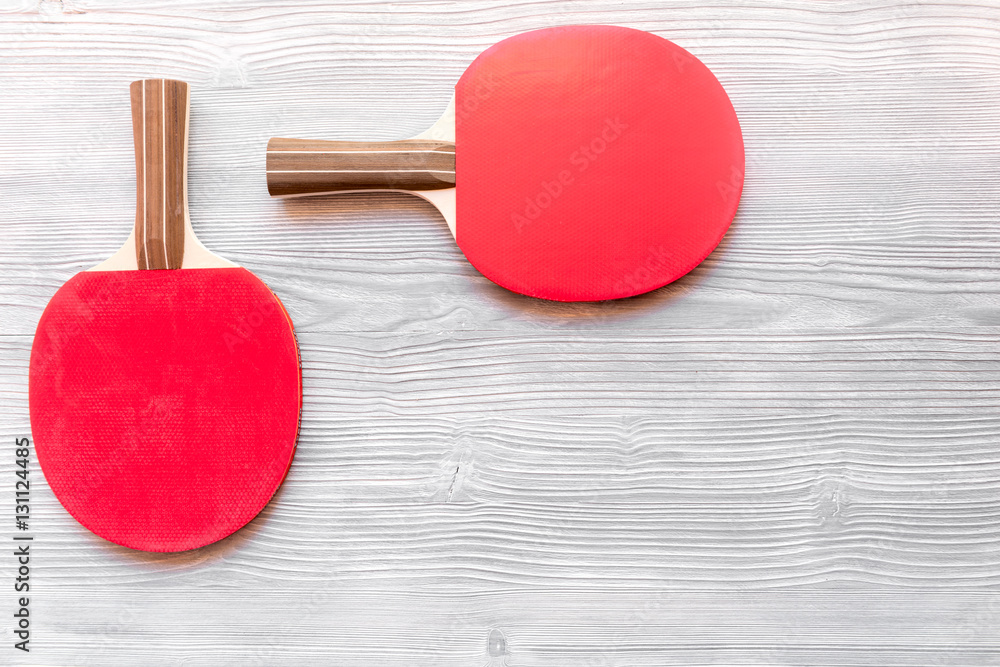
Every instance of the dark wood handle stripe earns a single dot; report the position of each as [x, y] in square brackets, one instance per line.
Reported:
[159, 127]
[302, 166]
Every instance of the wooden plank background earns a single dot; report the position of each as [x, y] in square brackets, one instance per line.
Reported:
[788, 457]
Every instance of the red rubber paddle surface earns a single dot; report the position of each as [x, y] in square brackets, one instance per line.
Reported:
[592, 162]
[164, 404]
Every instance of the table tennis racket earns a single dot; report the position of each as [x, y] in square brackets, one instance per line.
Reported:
[577, 163]
[164, 385]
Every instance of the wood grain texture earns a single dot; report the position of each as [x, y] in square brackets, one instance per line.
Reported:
[787, 457]
[307, 166]
[159, 129]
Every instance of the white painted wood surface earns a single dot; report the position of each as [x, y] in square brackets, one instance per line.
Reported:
[789, 457]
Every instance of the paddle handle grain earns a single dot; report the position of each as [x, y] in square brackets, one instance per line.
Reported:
[160, 129]
[307, 167]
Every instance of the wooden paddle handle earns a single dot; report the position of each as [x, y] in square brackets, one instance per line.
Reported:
[160, 129]
[305, 167]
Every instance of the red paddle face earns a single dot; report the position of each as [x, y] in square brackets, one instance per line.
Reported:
[164, 404]
[592, 162]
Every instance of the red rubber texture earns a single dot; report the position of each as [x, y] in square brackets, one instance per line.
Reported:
[164, 404]
[592, 162]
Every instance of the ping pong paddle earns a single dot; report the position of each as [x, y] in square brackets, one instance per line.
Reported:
[576, 163]
[164, 385]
